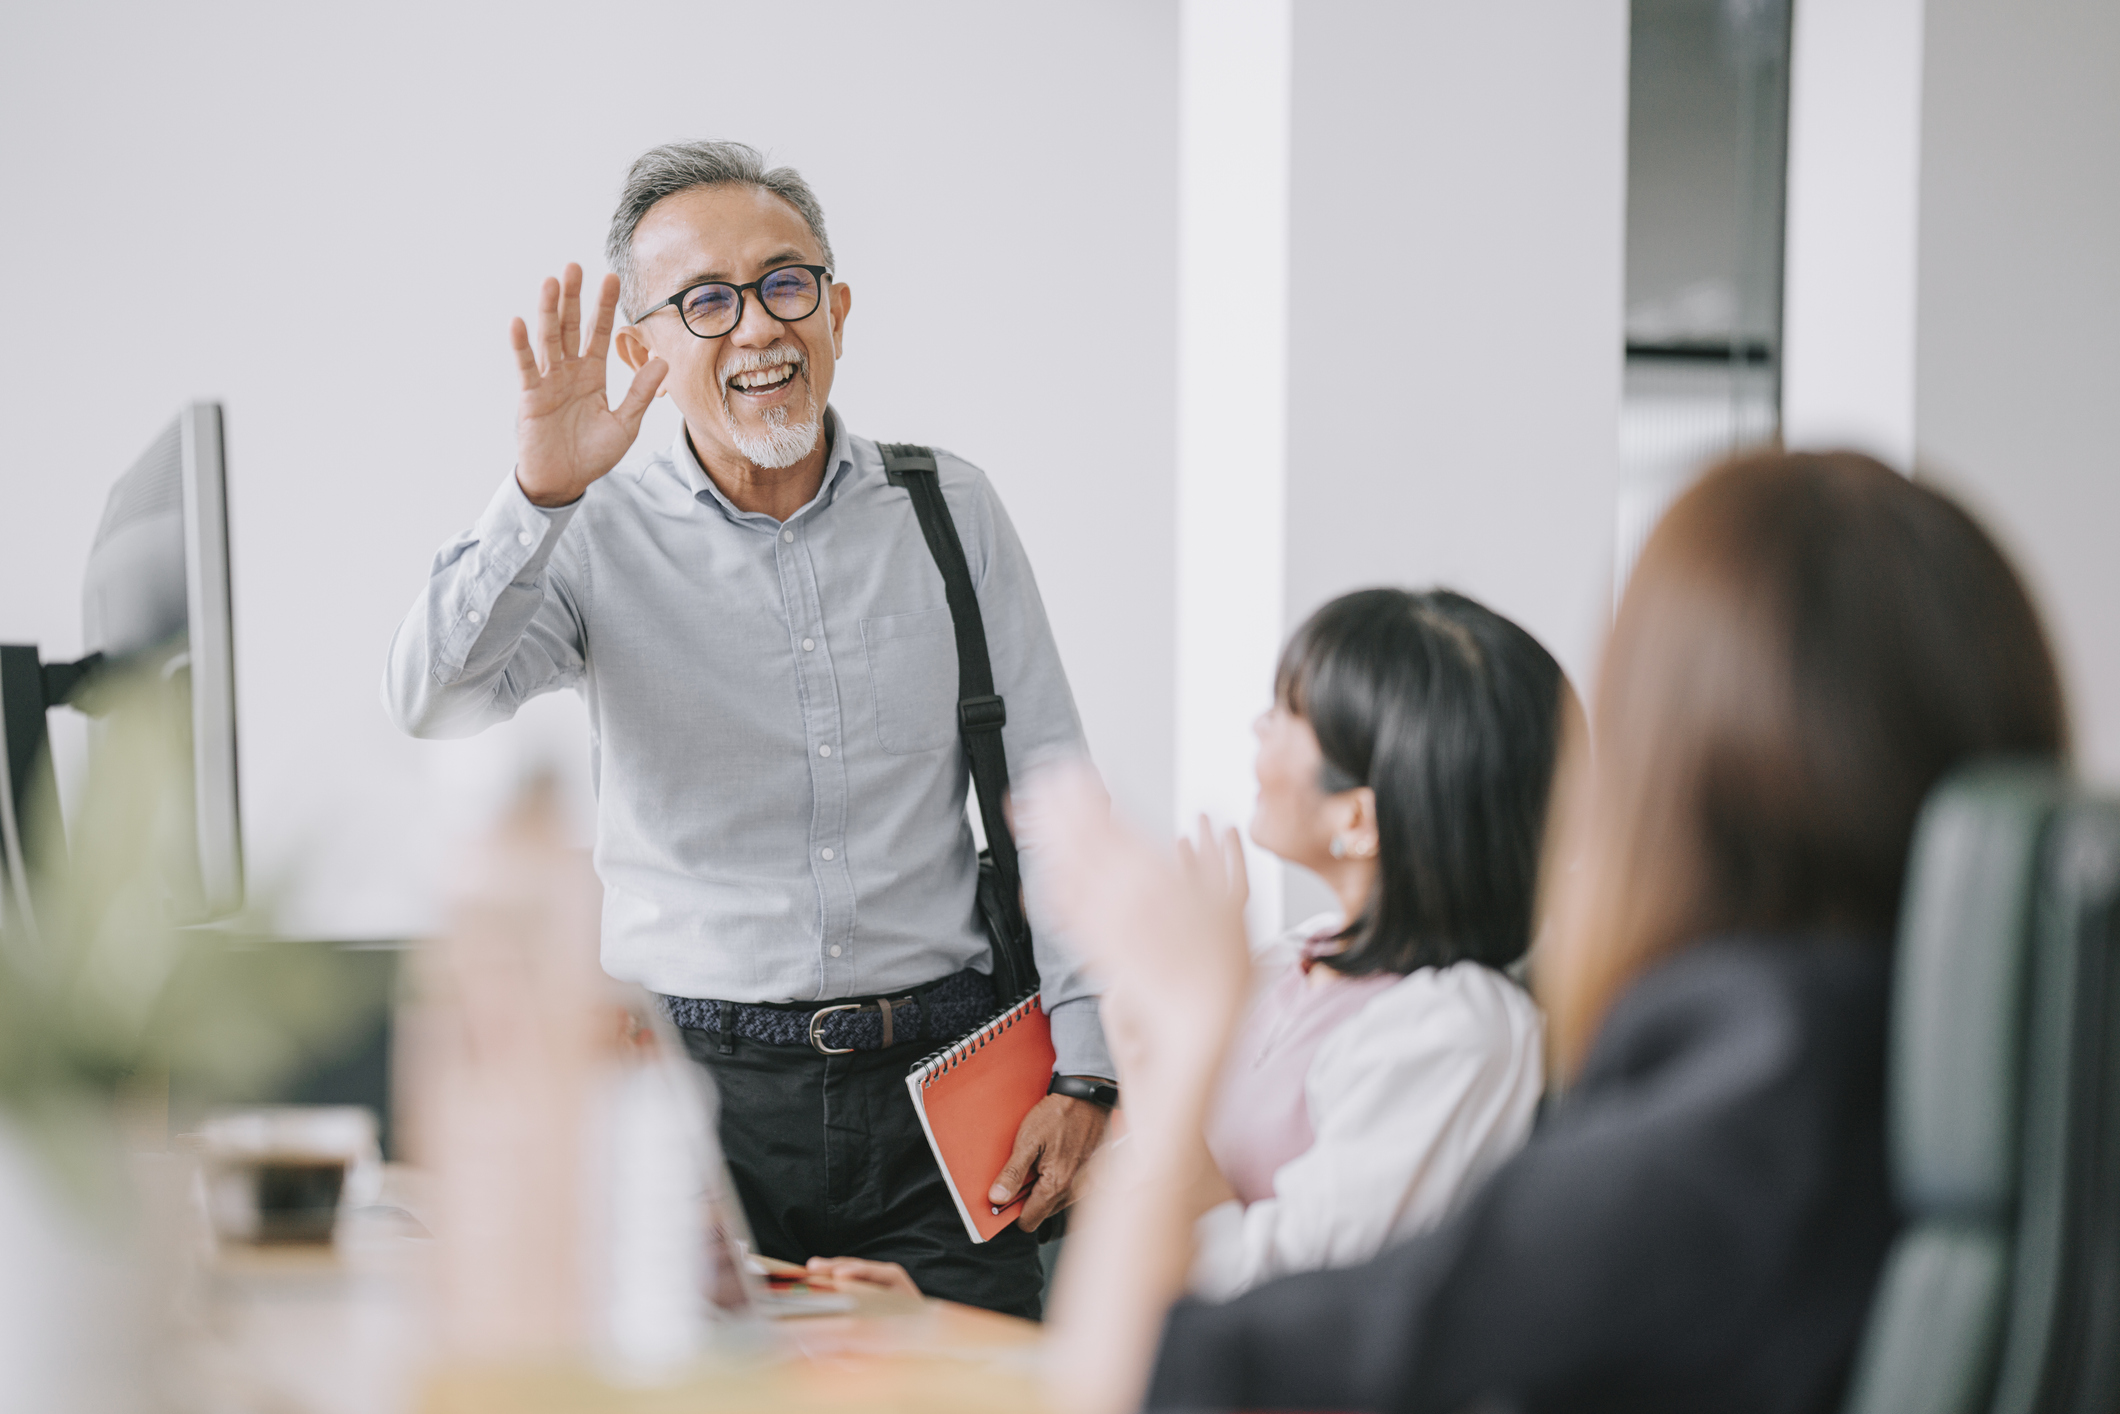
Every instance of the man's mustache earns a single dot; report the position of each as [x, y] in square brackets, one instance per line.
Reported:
[759, 361]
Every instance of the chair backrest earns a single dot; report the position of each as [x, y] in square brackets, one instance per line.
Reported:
[2061, 1351]
[2002, 1075]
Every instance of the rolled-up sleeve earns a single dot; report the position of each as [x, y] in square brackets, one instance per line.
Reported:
[495, 625]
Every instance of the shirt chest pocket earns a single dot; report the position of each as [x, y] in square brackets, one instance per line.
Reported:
[913, 670]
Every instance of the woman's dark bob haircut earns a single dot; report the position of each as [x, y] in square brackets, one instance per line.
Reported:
[1451, 714]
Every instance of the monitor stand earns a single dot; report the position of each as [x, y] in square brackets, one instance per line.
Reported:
[29, 687]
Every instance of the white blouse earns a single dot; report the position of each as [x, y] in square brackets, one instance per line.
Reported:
[1414, 1098]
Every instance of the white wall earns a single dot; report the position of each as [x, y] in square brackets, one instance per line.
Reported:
[1455, 342]
[326, 216]
[2018, 398]
[1455, 346]
[1233, 83]
[1954, 283]
[1848, 357]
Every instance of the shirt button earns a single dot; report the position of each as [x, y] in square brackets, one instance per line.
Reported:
[788, 536]
[524, 537]
[475, 616]
[835, 949]
[808, 644]
[824, 751]
[826, 851]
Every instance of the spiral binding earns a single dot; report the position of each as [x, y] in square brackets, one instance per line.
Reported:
[964, 1047]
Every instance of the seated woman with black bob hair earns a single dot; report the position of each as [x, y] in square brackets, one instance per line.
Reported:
[1386, 1059]
[1808, 644]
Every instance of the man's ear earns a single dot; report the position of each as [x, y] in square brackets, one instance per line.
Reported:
[842, 301]
[634, 351]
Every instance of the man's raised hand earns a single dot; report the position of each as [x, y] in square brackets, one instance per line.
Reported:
[567, 434]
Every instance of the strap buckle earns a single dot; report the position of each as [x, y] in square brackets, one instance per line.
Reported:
[902, 457]
[982, 714]
[817, 1030]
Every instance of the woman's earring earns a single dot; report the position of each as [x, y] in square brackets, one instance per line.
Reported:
[1338, 846]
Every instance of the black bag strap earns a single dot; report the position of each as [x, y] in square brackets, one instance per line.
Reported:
[980, 711]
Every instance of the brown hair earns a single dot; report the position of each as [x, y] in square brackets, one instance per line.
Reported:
[1809, 642]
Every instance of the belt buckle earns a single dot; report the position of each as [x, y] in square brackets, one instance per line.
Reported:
[816, 1026]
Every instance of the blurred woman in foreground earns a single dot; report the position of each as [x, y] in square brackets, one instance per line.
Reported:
[1808, 644]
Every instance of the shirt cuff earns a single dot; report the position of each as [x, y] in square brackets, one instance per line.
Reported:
[508, 545]
[559, 514]
[516, 536]
[1078, 1040]
[567, 509]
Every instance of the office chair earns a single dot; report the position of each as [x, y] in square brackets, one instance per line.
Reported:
[2002, 1293]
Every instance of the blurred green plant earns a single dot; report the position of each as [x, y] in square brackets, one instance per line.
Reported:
[103, 986]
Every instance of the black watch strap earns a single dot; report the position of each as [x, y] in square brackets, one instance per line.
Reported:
[1081, 1087]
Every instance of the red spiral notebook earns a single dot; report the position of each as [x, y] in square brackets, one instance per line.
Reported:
[972, 1096]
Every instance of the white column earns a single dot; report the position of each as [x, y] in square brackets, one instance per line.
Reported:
[2019, 395]
[1458, 256]
[1854, 207]
[1233, 142]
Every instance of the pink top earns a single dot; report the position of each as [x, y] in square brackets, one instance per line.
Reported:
[1261, 1118]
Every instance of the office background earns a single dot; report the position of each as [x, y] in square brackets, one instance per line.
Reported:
[1241, 304]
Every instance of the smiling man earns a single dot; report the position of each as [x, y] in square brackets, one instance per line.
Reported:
[762, 639]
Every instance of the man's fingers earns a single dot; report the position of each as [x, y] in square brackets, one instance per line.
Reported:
[519, 338]
[570, 311]
[1060, 1167]
[548, 322]
[642, 392]
[1046, 1199]
[606, 316]
[1009, 1182]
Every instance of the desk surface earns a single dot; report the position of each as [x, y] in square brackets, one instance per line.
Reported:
[926, 1358]
[342, 1331]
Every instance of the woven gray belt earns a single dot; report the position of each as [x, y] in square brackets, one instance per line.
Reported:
[940, 1012]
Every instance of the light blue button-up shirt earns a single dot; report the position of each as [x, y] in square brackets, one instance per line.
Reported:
[780, 783]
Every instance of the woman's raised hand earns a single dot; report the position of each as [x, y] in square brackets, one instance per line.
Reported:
[1163, 930]
[566, 433]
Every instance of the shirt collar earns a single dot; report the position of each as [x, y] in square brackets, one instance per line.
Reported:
[839, 460]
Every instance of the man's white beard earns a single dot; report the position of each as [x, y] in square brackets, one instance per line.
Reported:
[781, 445]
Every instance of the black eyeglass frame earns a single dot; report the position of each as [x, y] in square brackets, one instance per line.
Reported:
[822, 274]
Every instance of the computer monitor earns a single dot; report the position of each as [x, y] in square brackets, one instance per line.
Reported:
[155, 608]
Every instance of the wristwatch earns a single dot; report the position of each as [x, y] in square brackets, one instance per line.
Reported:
[1092, 1088]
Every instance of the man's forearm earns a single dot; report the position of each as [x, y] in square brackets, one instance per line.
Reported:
[483, 592]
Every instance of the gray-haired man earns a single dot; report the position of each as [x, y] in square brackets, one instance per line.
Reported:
[761, 637]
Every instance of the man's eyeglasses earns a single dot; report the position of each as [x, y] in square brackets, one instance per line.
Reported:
[715, 307]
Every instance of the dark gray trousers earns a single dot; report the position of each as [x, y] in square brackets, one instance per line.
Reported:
[830, 1161]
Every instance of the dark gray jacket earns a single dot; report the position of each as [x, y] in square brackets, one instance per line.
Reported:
[1698, 1225]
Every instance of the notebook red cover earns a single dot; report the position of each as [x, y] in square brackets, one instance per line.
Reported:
[972, 1097]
